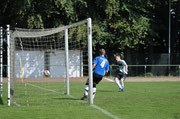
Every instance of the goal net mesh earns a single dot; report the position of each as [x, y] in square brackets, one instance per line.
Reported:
[35, 50]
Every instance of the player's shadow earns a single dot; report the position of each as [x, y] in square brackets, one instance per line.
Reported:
[105, 90]
[66, 98]
[1, 101]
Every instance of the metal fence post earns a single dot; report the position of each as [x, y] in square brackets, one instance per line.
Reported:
[145, 70]
[179, 70]
[1, 61]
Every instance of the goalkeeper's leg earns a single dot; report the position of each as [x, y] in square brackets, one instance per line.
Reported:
[96, 79]
[86, 89]
[94, 89]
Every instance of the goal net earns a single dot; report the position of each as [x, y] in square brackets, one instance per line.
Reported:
[61, 51]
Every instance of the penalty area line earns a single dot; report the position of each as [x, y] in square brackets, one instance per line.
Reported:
[104, 111]
[94, 106]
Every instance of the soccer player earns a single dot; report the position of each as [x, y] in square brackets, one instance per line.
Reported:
[100, 67]
[121, 73]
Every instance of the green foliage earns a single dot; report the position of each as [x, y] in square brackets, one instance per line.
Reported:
[174, 0]
[124, 24]
[117, 24]
[149, 74]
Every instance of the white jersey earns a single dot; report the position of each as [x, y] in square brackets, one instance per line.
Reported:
[122, 66]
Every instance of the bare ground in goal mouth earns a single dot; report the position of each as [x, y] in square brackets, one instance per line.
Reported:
[105, 79]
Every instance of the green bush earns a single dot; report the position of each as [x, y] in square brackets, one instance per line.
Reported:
[149, 74]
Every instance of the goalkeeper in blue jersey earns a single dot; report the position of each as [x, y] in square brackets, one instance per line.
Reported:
[121, 73]
[100, 67]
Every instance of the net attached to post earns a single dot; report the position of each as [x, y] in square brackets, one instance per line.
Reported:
[33, 51]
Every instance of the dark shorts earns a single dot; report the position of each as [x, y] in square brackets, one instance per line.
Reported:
[120, 75]
[97, 78]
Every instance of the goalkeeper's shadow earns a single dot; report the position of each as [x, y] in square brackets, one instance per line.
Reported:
[66, 98]
[105, 90]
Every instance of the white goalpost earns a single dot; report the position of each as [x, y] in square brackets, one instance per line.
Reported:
[1, 61]
[9, 59]
[66, 52]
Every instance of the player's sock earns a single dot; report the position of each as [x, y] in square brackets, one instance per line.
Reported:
[117, 82]
[86, 90]
[122, 85]
[94, 92]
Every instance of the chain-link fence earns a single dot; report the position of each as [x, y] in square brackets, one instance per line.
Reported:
[149, 70]
[139, 70]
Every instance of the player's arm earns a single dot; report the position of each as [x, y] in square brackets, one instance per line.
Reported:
[94, 65]
[126, 68]
[107, 68]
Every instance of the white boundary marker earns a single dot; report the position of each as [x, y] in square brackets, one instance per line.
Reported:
[43, 88]
[18, 105]
[110, 80]
[99, 108]
[105, 112]
[94, 106]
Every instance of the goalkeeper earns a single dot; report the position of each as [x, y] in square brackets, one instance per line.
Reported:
[121, 73]
[101, 67]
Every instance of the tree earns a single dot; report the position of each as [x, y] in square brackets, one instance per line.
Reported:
[118, 25]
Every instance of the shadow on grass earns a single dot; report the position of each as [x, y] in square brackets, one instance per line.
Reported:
[105, 90]
[66, 98]
[1, 101]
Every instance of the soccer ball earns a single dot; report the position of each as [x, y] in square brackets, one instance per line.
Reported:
[47, 73]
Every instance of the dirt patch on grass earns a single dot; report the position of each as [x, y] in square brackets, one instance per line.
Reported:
[145, 79]
[105, 79]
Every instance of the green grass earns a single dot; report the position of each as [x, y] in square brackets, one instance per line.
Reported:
[142, 100]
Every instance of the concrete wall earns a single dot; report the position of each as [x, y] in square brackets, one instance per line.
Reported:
[33, 63]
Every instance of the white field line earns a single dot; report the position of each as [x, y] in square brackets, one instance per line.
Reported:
[42, 88]
[105, 112]
[99, 108]
[18, 105]
[110, 80]
[94, 106]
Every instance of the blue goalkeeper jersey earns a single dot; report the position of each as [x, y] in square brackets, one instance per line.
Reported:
[102, 65]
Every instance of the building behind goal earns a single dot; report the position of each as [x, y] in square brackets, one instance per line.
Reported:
[66, 52]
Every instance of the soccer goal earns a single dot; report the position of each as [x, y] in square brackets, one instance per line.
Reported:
[65, 52]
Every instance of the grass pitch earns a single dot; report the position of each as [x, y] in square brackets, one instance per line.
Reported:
[141, 100]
